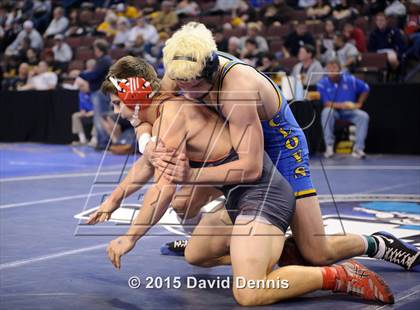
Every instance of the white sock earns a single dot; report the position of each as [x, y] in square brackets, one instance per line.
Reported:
[82, 137]
[381, 247]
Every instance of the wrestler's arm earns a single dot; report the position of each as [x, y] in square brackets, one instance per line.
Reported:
[240, 110]
[157, 198]
[172, 132]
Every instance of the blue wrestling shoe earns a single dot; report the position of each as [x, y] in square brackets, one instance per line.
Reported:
[393, 250]
[174, 248]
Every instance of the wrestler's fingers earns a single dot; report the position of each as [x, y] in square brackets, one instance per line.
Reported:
[118, 261]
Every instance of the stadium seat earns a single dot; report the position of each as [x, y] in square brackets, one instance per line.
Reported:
[237, 32]
[299, 16]
[76, 65]
[288, 63]
[74, 42]
[373, 63]
[118, 53]
[214, 20]
[276, 46]
[277, 32]
[84, 53]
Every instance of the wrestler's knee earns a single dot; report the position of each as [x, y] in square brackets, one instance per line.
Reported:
[194, 257]
[247, 296]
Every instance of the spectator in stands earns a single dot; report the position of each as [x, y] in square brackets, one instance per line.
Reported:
[234, 46]
[58, 24]
[100, 102]
[389, 40]
[253, 31]
[76, 26]
[127, 11]
[39, 13]
[221, 40]
[296, 39]
[29, 32]
[342, 11]
[345, 52]
[250, 53]
[20, 80]
[31, 57]
[356, 36]
[321, 10]
[146, 30]
[396, 8]
[308, 70]
[343, 96]
[165, 19]
[151, 6]
[62, 53]
[225, 6]
[40, 78]
[85, 111]
[109, 26]
[325, 44]
[306, 4]
[276, 13]
[123, 33]
[187, 8]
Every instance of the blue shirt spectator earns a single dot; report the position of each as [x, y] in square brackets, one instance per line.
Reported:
[85, 102]
[343, 96]
[99, 72]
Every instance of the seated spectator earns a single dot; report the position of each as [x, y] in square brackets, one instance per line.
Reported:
[234, 46]
[149, 7]
[30, 33]
[276, 13]
[62, 53]
[396, 8]
[253, 30]
[76, 26]
[221, 40]
[100, 102]
[342, 11]
[187, 8]
[225, 7]
[20, 80]
[109, 26]
[250, 53]
[123, 33]
[137, 49]
[325, 44]
[296, 39]
[270, 67]
[58, 24]
[321, 10]
[389, 40]
[346, 53]
[40, 78]
[122, 134]
[165, 19]
[356, 36]
[31, 57]
[343, 96]
[146, 30]
[308, 70]
[306, 4]
[127, 11]
[85, 113]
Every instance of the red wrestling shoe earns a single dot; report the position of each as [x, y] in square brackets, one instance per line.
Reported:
[355, 279]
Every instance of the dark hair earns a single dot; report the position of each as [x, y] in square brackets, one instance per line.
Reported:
[309, 49]
[251, 41]
[101, 45]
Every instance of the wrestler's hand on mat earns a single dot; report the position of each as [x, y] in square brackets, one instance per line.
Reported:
[103, 213]
[176, 169]
[118, 247]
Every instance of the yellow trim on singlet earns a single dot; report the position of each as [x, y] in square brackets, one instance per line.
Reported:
[305, 192]
[235, 62]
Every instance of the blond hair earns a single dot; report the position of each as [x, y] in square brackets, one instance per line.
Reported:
[187, 51]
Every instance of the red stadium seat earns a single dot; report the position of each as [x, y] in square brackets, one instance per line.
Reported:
[76, 65]
[237, 32]
[288, 63]
[84, 53]
[316, 28]
[118, 53]
[373, 63]
[74, 42]
[299, 16]
[276, 32]
[211, 20]
[276, 46]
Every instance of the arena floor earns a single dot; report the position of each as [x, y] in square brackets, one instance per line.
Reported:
[50, 260]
